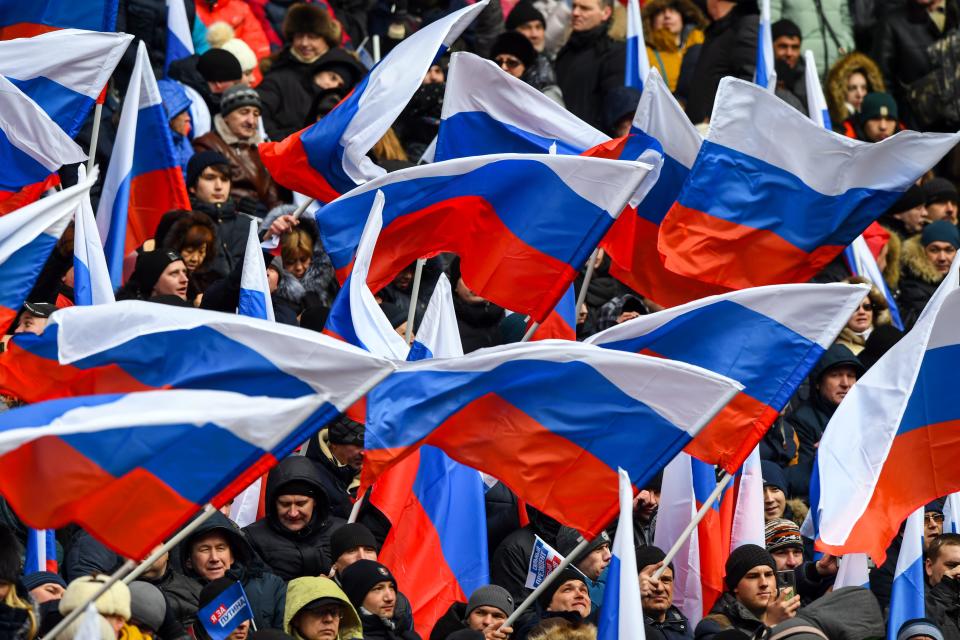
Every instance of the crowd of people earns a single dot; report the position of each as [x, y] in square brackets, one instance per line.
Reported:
[265, 69]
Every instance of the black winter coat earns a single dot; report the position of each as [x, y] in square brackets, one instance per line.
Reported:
[181, 594]
[943, 607]
[728, 613]
[918, 282]
[808, 422]
[376, 629]
[333, 477]
[287, 92]
[730, 49]
[588, 67]
[512, 558]
[674, 627]
[85, 555]
[450, 622]
[293, 554]
[233, 227]
[479, 323]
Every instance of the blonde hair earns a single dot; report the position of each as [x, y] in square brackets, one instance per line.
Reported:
[14, 601]
[389, 148]
[294, 244]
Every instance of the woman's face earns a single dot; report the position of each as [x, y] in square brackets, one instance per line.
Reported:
[856, 89]
[173, 281]
[669, 19]
[862, 318]
[299, 265]
[193, 257]
[381, 599]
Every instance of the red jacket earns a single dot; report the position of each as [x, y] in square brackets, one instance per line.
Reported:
[238, 15]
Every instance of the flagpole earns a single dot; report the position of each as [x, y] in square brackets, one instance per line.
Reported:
[303, 207]
[707, 505]
[414, 294]
[130, 570]
[94, 137]
[550, 579]
[355, 510]
[529, 334]
[591, 265]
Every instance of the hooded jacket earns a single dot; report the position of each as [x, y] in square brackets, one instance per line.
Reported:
[663, 53]
[918, 281]
[339, 481]
[675, 626]
[265, 591]
[175, 101]
[292, 554]
[849, 613]
[248, 177]
[303, 591]
[233, 227]
[836, 88]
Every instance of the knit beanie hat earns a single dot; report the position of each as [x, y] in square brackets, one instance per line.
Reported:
[940, 190]
[237, 96]
[200, 161]
[219, 65]
[150, 266]
[343, 430]
[773, 475]
[9, 556]
[522, 13]
[568, 539]
[115, 602]
[514, 44]
[490, 595]
[566, 576]
[743, 559]
[350, 536]
[919, 627]
[878, 105]
[797, 629]
[940, 231]
[360, 577]
[242, 51]
[649, 555]
[780, 533]
[147, 605]
[912, 197]
[40, 578]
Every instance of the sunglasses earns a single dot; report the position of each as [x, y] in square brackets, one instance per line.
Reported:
[509, 63]
[933, 517]
[867, 306]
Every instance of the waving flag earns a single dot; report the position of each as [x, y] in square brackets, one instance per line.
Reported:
[255, 301]
[621, 615]
[484, 407]
[861, 262]
[128, 346]
[27, 236]
[638, 65]
[19, 19]
[522, 224]
[41, 552]
[32, 148]
[901, 411]
[355, 317]
[729, 225]
[765, 75]
[907, 600]
[788, 327]
[179, 39]
[227, 611]
[488, 111]
[816, 102]
[65, 85]
[144, 179]
[91, 280]
[561, 324]
[329, 158]
[438, 335]
[544, 560]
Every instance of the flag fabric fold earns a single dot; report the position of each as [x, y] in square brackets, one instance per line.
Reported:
[20, 19]
[91, 280]
[764, 74]
[907, 601]
[621, 615]
[816, 102]
[179, 38]
[255, 301]
[41, 551]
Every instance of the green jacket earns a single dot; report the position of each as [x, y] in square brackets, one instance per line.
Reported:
[302, 591]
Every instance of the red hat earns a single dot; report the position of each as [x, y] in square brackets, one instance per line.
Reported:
[876, 237]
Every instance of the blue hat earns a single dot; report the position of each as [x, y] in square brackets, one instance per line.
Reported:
[40, 578]
[919, 627]
[773, 475]
[940, 231]
[175, 99]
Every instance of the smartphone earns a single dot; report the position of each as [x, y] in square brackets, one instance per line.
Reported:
[787, 583]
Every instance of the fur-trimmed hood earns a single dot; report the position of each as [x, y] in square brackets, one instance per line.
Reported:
[915, 262]
[661, 40]
[836, 88]
[892, 271]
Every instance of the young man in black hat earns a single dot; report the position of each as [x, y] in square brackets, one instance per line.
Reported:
[337, 452]
[33, 318]
[942, 200]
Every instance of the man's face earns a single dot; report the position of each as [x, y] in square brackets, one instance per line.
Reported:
[571, 596]
[435, 75]
[242, 122]
[877, 129]
[947, 564]
[211, 556]
[660, 598]
[213, 186]
[787, 559]
[309, 46]
[645, 504]
[596, 561]
[350, 556]
[322, 623]
[241, 632]
[588, 14]
[774, 502]
[535, 33]
[757, 589]
[348, 454]
[381, 600]
[295, 511]
[940, 255]
[30, 323]
[485, 617]
[787, 50]
[47, 592]
[173, 281]
[942, 211]
[836, 383]
[932, 526]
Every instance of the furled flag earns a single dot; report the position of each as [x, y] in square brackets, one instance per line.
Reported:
[909, 580]
[144, 179]
[227, 611]
[255, 301]
[890, 447]
[128, 346]
[27, 236]
[487, 111]
[523, 225]
[438, 335]
[19, 19]
[638, 65]
[544, 559]
[65, 85]
[179, 38]
[329, 158]
[854, 571]
[748, 522]
[789, 328]
[773, 198]
[951, 513]
[621, 615]
[632, 241]
[32, 148]
[355, 317]
[484, 407]
[816, 102]
[41, 552]
[91, 280]
[764, 74]
[860, 261]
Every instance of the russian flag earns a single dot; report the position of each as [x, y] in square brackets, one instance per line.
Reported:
[789, 327]
[91, 280]
[355, 317]
[907, 600]
[329, 158]
[173, 450]
[437, 542]
[255, 301]
[901, 411]
[27, 236]
[764, 74]
[497, 411]
[621, 615]
[854, 571]
[144, 179]
[638, 65]
[41, 552]
[32, 148]
[951, 513]
[730, 226]
[128, 346]
[64, 72]
[522, 224]
[861, 262]
[561, 324]
[20, 19]
[816, 102]
[179, 38]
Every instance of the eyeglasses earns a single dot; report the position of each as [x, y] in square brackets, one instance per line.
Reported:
[509, 63]
[933, 517]
[332, 611]
[867, 306]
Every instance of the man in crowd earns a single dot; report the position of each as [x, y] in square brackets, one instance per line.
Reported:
[942, 200]
[591, 562]
[878, 118]
[338, 454]
[789, 64]
[656, 597]
[942, 566]
[486, 611]
[926, 260]
[784, 543]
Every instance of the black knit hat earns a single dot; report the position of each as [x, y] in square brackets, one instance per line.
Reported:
[649, 555]
[784, 27]
[566, 576]
[360, 577]
[522, 13]
[200, 161]
[40, 309]
[150, 266]
[297, 488]
[568, 539]
[40, 578]
[343, 430]
[743, 559]
[912, 197]
[940, 190]
[9, 556]
[514, 44]
[350, 536]
[219, 65]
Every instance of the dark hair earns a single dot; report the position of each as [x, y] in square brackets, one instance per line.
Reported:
[943, 540]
